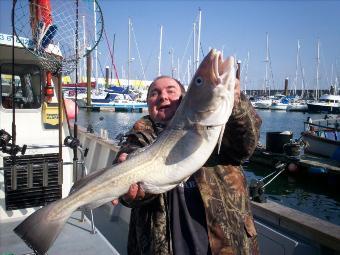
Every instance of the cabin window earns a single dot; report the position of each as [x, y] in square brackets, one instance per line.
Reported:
[27, 92]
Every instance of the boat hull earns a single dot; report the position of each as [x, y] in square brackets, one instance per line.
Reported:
[323, 108]
[319, 145]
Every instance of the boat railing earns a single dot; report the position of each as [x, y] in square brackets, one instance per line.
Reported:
[323, 125]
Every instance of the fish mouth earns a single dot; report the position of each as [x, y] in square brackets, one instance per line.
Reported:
[221, 67]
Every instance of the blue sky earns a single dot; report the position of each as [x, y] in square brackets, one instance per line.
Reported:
[238, 27]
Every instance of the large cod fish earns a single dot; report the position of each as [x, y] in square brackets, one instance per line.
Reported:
[181, 149]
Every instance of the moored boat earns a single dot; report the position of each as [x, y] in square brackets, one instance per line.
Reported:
[326, 104]
[298, 106]
[322, 137]
[263, 103]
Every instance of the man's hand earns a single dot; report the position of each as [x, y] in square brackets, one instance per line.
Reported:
[135, 191]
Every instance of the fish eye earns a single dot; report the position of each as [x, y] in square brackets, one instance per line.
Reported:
[198, 81]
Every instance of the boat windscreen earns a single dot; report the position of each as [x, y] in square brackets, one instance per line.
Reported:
[27, 80]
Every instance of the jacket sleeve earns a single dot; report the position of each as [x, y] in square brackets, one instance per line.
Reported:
[241, 133]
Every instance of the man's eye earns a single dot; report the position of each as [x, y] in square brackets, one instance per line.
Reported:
[153, 94]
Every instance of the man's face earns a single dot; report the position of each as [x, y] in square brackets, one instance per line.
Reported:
[163, 99]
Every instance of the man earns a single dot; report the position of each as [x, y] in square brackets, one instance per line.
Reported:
[210, 212]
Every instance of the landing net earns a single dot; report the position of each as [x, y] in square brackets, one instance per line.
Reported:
[58, 32]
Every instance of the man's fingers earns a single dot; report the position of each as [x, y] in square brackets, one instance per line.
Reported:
[133, 190]
[140, 193]
[115, 202]
[122, 157]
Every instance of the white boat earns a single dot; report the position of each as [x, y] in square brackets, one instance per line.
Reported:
[45, 173]
[278, 105]
[263, 103]
[325, 104]
[297, 107]
[322, 137]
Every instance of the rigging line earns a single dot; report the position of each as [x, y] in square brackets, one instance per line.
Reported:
[186, 48]
[203, 55]
[302, 75]
[112, 60]
[271, 69]
[150, 55]
[140, 60]
[101, 68]
[324, 66]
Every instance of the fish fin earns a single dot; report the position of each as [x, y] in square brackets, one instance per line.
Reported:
[220, 139]
[38, 231]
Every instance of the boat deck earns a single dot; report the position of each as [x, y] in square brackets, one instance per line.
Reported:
[75, 238]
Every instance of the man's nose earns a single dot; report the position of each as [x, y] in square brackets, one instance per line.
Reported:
[163, 96]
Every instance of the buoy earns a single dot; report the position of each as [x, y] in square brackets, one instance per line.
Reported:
[292, 167]
[70, 107]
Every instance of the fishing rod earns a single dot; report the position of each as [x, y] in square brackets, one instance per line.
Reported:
[13, 85]
[75, 131]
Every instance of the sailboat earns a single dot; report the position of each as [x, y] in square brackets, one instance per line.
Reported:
[326, 103]
[298, 104]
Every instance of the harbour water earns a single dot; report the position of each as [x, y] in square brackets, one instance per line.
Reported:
[310, 194]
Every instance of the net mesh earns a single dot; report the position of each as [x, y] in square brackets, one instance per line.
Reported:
[58, 32]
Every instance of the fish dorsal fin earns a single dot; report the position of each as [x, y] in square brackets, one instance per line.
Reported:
[219, 143]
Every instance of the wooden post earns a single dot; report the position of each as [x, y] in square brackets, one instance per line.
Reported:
[107, 76]
[286, 87]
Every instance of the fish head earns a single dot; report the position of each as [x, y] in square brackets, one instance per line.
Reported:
[210, 96]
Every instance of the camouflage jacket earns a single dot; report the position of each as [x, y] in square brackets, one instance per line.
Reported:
[222, 185]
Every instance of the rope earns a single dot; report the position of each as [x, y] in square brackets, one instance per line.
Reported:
[140, 60]
[113, 64]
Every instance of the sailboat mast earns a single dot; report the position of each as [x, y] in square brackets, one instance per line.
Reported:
[317, 70]
[297, 66]
[198, 38]
[160, 50]
[178, 78]
[84, 47]
[245, 80]
[96, 48]
[194, 48]
[266, 81]
[129, 54]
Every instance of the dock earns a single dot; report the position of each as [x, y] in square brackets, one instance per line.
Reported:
[115, 109]
[305, 161]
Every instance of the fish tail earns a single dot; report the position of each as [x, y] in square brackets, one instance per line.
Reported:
[39, 231]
